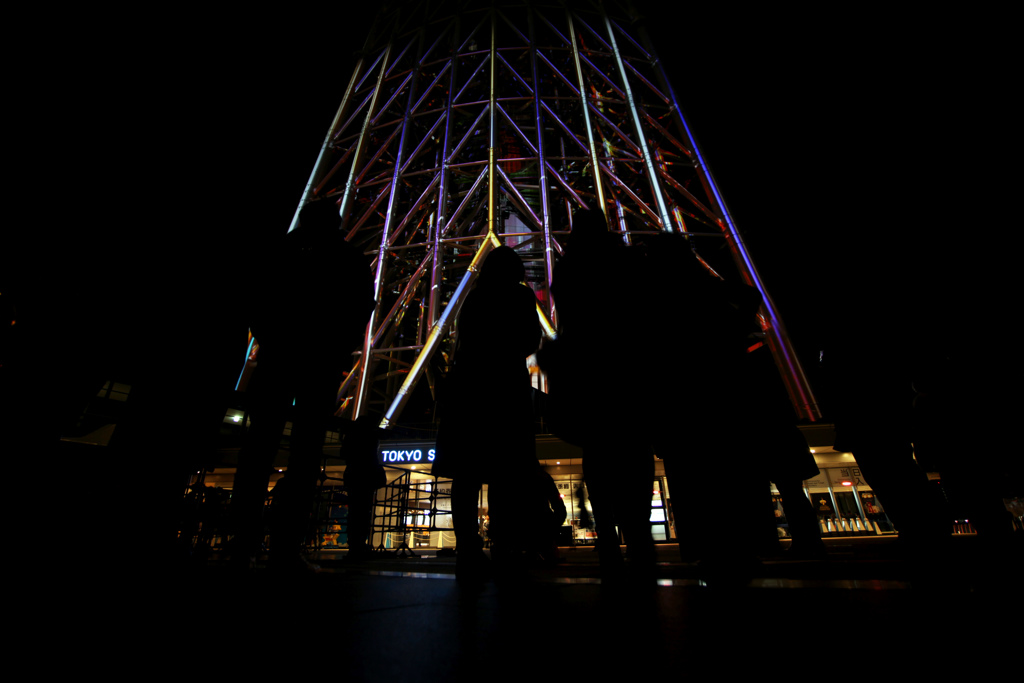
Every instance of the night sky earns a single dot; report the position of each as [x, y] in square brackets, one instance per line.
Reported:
[849, 148]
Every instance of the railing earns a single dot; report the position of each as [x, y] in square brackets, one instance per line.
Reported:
[405, 514]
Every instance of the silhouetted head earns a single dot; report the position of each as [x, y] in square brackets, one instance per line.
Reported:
[590, 231]
[588, 225]
[673, 253]
[502, 267]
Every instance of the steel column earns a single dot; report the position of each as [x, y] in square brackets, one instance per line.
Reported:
[652, 175]
[382, 250]
[542, 164]
[345, 206]
[326, 146]
[594, 166]
[432, 177]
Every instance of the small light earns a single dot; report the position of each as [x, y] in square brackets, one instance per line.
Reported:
[847, 483]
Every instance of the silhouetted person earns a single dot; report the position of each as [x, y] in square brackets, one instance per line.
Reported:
[871, 391]
[784, 449]
[595, 286]
[276, 508]
[486, 433]
[364, 474]
[544, 513]
[789, 463]
[933, 310]
[203, 509]
[313, 300]
[946, 416]
[705, 416]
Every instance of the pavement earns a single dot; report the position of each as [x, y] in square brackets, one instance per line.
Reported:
[865, 611]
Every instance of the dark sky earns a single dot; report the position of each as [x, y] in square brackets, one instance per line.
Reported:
[847, 146]
[251, 109]
[775, 106]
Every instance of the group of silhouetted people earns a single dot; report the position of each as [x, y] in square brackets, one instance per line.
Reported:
[713, 408]
[655, 354]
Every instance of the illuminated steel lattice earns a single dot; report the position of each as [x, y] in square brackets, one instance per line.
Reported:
[467, 125]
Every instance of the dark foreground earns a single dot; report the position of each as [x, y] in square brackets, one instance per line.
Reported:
[866, 612]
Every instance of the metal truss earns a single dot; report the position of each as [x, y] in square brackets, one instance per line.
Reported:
[467, 125]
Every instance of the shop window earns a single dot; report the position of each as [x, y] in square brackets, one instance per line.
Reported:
[115, 391]
[660, 527]
[781, 523]
[845, 504]
[874, 512]
[578, 514]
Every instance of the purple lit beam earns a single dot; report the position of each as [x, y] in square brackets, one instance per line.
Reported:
[389, 220]
[345, 205]
[792, 371]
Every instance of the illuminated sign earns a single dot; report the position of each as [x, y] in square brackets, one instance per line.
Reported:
[406, 456]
